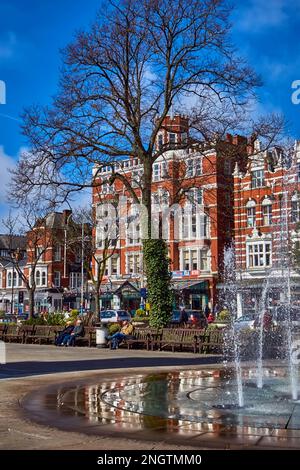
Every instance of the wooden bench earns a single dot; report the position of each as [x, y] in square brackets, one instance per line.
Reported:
[88, 339]
[141, 337]
[13, 333]
[169, 338]
[42, 333]
[210, 341]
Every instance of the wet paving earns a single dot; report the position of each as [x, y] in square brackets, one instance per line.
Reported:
[193, 406]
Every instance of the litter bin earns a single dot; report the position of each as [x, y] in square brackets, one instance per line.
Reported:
[101, 333]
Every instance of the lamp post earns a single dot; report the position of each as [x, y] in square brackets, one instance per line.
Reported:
[12, 306]
[65, 245]
[82, 268]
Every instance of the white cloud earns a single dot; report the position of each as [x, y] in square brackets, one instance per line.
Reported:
[258, 15]
[6, 163]
[8, 43]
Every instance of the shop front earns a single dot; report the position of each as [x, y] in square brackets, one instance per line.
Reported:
[193, 295]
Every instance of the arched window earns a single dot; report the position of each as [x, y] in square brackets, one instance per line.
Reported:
[295, 209]
[251, 211]
[267, 211]
[38, 278]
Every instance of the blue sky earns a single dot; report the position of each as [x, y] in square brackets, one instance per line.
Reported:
[33, 31]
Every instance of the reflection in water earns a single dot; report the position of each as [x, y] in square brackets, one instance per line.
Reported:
[183, 400]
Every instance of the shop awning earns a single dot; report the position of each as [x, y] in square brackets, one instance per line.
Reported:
[194, 286]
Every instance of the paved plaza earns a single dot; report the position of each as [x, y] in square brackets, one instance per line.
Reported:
[88, 398]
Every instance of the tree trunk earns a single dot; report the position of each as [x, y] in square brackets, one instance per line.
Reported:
[97, 303]
[31, 303]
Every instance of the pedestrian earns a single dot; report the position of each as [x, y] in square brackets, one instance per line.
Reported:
[125, 333]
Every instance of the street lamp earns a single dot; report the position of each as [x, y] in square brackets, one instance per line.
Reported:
[65, 245]
[82, 267]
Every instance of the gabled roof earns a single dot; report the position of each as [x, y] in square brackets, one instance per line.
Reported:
[12, 242]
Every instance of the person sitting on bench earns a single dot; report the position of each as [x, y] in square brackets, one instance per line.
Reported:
[126, 332]
[69, 340]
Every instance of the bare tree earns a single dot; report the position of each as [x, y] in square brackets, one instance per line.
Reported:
[120, 81]
[100, 246]
[38, 239]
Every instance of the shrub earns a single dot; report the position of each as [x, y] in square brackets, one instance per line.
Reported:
[113, 328]
[139, 319]
[140, 312]
[35, 321]
[224, 316]
[56, 319]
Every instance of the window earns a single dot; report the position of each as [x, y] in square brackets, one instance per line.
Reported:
[44, 281]
[259, 255]
[156, 172]
[267, 212]
[190, 168]
[114, 265]
[172, 140]
[186, 260]
[19, 281]
[160, 141]
[194, 226]
[15, 279]
[194, 260]
[75, 280]
[295, 208]
[203, 260]
[251, 211]
[203, 226]
[57, 253]
[9, 279]
[198, 166]
[195, 195]
[258, 179]
[39, 252]
[133, 264]
[164, 170]
[38, 277]
[184, 227]
[56, 279]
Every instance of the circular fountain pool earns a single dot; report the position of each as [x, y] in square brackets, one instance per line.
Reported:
[197, 399]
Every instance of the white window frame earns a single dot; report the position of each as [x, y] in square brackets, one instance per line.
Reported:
[257, 178]
[266, 209]
[57, 252]
[257, 258]
[55, 283]
[251, 214]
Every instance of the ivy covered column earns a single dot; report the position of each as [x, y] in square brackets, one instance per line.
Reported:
[158, 281]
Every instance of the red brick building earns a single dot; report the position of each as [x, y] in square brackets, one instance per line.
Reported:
[266, 214]
[198, 184]
[56, 264]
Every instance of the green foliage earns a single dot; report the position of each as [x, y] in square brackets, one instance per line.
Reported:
[56, 319]
[2, 314]
[35, 321]
[51, 319]
[73, 314]
[158, 282]
[140, 312]
[224, 316]
[139, 319]
[113, 328]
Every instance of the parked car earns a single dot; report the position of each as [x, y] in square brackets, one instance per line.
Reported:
[244, 322]
[114, 316]
[280, 315]
[194, 317]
